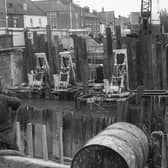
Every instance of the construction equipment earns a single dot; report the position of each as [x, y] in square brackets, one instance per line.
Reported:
[62, 80]
[119, 82]
[119, 145]
[38, 77]
[145, 19]
[145, 45]
[120, 76]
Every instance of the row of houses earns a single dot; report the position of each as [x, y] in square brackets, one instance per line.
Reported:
[60, 14]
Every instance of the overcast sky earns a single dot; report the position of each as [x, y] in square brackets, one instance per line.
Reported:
[121, 7]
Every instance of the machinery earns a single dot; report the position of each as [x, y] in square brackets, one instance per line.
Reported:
[120, 75]
[67, 72]
[119, 82]
[145, 44]
[38, 76]
[146, 14]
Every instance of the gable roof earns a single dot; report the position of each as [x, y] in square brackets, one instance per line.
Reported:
[17, 7]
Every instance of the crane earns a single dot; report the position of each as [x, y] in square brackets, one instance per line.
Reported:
[149, 30]
[145, 44]
[146, 15]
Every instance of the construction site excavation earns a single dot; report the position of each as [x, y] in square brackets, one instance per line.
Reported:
[83, 87]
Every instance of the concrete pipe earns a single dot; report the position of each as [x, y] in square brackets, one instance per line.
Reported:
[121, 145]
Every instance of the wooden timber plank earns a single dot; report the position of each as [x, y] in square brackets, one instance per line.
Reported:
[38, 151]
[109, 53]
[35, 41]
[18, 135]
[118, 36]
[47, 121]
[44, 143]
[155, 63]
[164, 68]
[105, 58]
[49, 48]
[67, 134]
[20, 162]
[159, 65]
[56, 54]
[139, 72]
[149, 80]
[55, 141]
[61, 145]
[84, 65]
[29, 140]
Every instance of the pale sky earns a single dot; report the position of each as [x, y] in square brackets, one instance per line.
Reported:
[121, 7]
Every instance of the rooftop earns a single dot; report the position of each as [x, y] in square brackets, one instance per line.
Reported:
[25, 7]
[51, 5]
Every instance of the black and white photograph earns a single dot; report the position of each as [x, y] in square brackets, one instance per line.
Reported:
[83, 84]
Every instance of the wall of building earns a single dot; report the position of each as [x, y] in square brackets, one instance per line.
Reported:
[135, 22]
[35, 21]
[2, 14]
[61, 19]
[15, 20]
[16, 62]
[93, 23]
[76, 17]
[11, 67]
[134, 18]
[107, 19]
[5, 68]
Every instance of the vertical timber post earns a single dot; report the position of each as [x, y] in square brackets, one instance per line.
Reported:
[18, 135]
[84, 66]
[30, 140]
[118, 37]
[44, 142]
[109, 53]
[49, 45]
[56, 54]
[76, 54]
[164, 67]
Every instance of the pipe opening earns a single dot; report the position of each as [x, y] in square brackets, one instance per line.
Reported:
[97, 156]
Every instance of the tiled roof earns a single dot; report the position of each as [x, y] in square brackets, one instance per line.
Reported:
[17, 7]
[52, 5]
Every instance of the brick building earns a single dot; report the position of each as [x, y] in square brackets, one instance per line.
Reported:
[91, 21]
[61, 14]
[107, 19]
[23, 13]
[2, 13]
[134, 22]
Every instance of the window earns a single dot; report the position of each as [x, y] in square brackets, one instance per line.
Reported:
[76, 15]
[14, 23]
[10, 5]
[54, 26]
[31, 22]
[2, 15]
[51, 16]
[25, 6]
[40, 23]
[55, 15]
